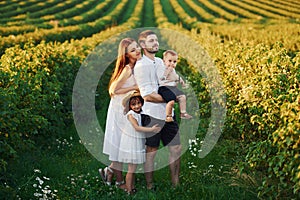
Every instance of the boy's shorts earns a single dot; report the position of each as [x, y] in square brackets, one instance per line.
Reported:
[169, 93]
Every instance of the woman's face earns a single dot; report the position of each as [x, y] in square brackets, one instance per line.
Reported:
[134, 51]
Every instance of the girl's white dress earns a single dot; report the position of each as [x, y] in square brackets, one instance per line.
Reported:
[132, 145]
[115, 122]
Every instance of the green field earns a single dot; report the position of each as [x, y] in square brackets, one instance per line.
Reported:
[253, 44]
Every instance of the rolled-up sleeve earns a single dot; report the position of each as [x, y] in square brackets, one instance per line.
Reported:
[143, 79]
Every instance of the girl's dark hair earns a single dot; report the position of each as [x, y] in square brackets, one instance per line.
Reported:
[135, 98]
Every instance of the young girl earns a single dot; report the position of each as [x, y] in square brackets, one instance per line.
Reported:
[132, 144]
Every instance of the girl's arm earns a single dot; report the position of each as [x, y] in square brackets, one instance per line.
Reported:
[138, 128]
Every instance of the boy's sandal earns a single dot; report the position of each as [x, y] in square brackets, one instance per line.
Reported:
[185, 116]
[104, 174]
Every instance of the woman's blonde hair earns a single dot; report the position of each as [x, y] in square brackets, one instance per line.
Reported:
[122, 60]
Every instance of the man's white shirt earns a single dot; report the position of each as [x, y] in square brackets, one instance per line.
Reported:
[146, 73]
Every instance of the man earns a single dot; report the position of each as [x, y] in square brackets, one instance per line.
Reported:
[146, 72]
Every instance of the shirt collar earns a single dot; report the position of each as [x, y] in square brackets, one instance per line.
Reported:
[150, 60]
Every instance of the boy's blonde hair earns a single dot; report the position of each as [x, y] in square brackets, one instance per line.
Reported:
[172, 52]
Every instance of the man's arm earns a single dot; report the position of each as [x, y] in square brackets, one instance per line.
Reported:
[154, 97]
[142, 74]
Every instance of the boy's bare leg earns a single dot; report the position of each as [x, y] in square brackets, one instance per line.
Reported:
[182, 103]
[174, 163]
[182, 107]
[169, 108]
[149, 165]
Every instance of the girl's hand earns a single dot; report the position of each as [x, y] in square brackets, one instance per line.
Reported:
[155, 128]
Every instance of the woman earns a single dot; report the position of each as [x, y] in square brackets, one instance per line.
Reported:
[121, 83]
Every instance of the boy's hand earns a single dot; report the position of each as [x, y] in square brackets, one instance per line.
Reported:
[168, 71]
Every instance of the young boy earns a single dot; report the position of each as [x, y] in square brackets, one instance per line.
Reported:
[168, 87]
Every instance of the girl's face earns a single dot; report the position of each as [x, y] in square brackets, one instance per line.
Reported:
[133, 51]
[170, 60]
[136, 105]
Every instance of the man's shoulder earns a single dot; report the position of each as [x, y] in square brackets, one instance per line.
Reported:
[141, 61]
[158, 59]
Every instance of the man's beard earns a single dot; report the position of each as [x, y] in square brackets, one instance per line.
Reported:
[151, 50]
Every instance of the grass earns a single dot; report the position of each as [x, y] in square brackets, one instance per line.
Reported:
[64, 169]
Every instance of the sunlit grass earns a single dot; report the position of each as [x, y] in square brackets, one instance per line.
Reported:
[65, 170]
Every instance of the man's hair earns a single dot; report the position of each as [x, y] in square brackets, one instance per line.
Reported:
[172, 52]
[143, 35]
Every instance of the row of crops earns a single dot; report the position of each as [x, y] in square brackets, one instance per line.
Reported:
[18, 13]
[17, 17]
[254, 44]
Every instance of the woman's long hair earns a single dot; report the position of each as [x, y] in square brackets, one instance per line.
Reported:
[122, 60]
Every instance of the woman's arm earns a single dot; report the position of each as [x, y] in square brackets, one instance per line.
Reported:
[138, 128]
[116, 86]
[125, 90]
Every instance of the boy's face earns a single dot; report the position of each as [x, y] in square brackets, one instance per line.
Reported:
[170, 60]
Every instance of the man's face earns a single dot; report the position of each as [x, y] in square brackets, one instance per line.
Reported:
[151, 44]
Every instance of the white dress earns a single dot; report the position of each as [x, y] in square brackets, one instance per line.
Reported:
[115, 122]
[132, 145]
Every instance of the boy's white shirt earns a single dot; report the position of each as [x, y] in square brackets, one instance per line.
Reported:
[146, 73]
[166, 81]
